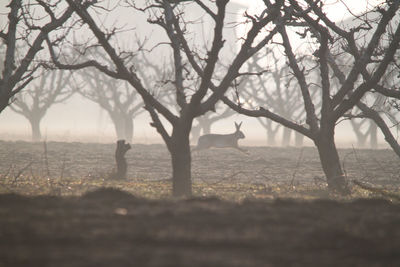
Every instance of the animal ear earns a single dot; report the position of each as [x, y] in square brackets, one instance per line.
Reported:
[238, 125]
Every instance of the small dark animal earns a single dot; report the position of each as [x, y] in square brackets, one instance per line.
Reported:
[221, 140]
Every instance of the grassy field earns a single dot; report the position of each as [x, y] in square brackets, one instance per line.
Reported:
[58, 207]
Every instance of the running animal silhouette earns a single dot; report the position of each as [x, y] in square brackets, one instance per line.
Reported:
[221, 140]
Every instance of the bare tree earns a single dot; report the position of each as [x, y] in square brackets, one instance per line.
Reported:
[380, 110]
[116, 97]
[52, 87]
[189, 64]
[369, 64]
[274, 87]
[23, 35]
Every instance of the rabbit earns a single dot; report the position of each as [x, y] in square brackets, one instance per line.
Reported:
[221, 140]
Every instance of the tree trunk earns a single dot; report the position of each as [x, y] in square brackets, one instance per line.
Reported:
[35, 126]
[181, 162]
[373, 135]
[4, 98]
[299, 139]
[361, 137]
[286, 136]
[361, 141]
[271, 132]
[119, 131]
[123, 125]
[330, 161]
[129, 128]
[206, 128]
[122, 166]
[195, 132]
[271, 137]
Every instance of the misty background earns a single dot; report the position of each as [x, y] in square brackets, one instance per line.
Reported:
[80, 119]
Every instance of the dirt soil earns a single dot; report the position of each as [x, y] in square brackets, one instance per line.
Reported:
[55, 211]
[111, 228]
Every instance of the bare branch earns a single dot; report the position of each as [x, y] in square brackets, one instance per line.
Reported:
[309, 106]
[123, 72]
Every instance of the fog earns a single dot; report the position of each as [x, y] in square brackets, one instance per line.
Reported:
[135, 152]
[79, 119]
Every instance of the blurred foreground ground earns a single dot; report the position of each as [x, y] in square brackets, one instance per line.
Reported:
[111, 228]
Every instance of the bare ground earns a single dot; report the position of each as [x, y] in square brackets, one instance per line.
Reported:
[275, 210]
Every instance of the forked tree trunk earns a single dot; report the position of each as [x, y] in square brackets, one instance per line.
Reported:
[35, 126]
[330, 161]
[181, 163]
[361, 137]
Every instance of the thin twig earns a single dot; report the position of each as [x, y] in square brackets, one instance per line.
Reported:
[230, 177]
[360, 164]
[299, 160]
[46, 161]
[63, 166]
[21, 171]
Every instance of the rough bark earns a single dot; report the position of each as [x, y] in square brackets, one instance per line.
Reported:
[330, 161]
[122, 166]
[179, 149]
